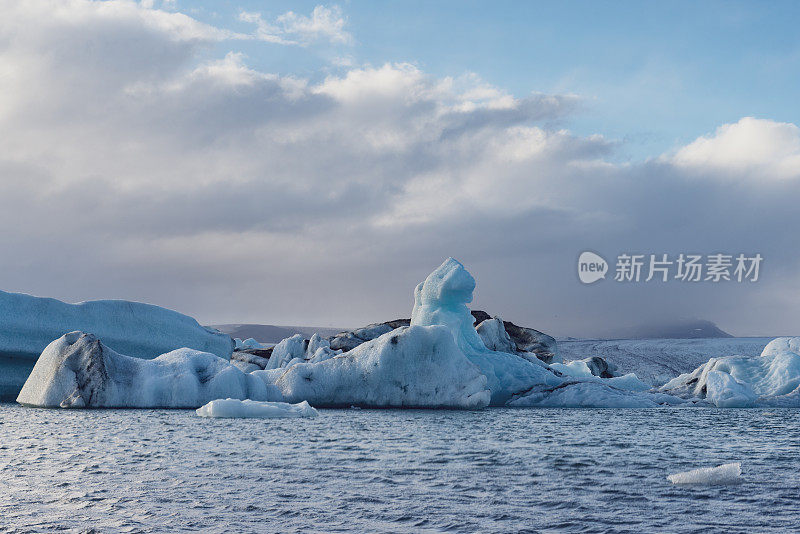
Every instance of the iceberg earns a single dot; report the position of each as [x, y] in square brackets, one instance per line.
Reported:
[576, 368]
[345, 341]
[771, 379]
[28, 324]
[514, 378]
[236, 408]
[722, 474]
[523, 340]
[494, 336]
[657, 361]
[439, 360]
[414, 366]
[411, 367]
[442, 300]
[78, 371]
[589, 394]
[295, 349]
[404, 366]
[519, 340]
[248, 343]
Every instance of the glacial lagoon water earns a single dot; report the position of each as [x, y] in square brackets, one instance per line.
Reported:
[495, 470]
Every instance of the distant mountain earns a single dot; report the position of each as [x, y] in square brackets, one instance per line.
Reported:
[679, 329]
[267, 333]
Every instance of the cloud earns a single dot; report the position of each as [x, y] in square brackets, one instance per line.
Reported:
[757, 148]
[324, 24]
[143, 166]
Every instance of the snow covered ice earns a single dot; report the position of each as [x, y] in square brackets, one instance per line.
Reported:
[513, 379]
[248, 343]
[295, 349]
[657, 361]
[771, 379]
[437, 371]
[77, 370]
[415, 366]
[440, 360]
[236, 408]
[442, 300]
[722, 474]
[28, 324]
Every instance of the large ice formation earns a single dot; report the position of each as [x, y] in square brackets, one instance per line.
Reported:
[439, 360]
[657, 361]
[513, 378]
[408, 367]
[28, 324]
[771, 379]
[442, 300]
[77, 371]
[522, 340]
[518, 340]
[345, 341]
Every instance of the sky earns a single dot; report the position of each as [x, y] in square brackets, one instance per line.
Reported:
[299, 163]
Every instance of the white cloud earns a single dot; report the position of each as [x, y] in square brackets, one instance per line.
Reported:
[324, 24]
[754, 148]
[136, 170]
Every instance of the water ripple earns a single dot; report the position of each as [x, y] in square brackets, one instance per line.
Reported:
[499, 470]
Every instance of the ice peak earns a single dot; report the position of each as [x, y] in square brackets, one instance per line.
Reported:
[450, 283]
[442, 300]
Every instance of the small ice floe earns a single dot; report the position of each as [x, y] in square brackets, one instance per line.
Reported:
[248, 343]
[722, 474]
[249, 408]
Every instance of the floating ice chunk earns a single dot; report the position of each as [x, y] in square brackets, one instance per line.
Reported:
[28, 324]
[408, 367]
[251, 343]
[575, 368]
[741, 381]
[249, 408]
[590, 393]
[286, 351]
[439, 361]
[442, 300]
[495, 337]
[783, 374]
[77, 370]
[592, 366]
[295, 349]
[629, 381]
[724, 391]
[722, 474]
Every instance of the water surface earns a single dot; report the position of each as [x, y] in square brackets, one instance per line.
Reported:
[495, 470]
